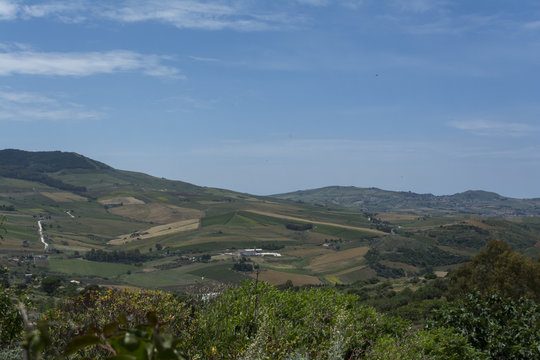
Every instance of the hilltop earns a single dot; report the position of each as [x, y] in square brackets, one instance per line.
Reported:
[376, 200]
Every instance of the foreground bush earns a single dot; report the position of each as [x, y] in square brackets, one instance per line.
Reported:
[258, 321]
[261, 322]
[502, 328]
[96, 309]
[437, 344]
[11, 325]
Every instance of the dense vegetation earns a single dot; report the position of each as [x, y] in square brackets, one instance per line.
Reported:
[498, 320]
[428, 257]
[33, 166]
[46, 161]
[27, 174]
[298, 227]
[116, 256]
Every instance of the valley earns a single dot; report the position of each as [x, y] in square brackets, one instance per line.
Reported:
[163, 234]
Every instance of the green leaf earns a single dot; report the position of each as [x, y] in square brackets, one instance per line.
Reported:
[80, 342]
[110, 328]
[152, 318]
[122, 357]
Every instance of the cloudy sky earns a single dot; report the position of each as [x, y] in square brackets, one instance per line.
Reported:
[272, 96]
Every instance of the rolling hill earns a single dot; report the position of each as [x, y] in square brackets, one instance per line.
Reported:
[377, 200]
[122, 228]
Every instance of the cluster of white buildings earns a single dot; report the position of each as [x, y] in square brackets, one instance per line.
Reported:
[254, 252]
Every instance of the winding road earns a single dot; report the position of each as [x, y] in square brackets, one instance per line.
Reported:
[42, 238]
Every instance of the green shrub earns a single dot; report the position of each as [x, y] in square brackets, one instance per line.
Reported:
[11, 324]
[97, 309]
[439, 344]
[259, 321]
[502, 328]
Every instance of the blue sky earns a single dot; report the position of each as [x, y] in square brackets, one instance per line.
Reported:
[274, 96]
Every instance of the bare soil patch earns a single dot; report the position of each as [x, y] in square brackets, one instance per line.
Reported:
[441, 274]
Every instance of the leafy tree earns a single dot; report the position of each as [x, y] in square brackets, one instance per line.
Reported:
[503, 328]
[438, 344]
[3, 230]
[10, 319]
[144, 342]
[4, 277]
[499, 268]
[50, 284]
[94, 310]
[257, 321]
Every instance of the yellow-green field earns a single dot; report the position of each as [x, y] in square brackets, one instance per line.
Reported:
[156, 212]
[279, 277]
[63, 196]
[338, 259]
[156, 231]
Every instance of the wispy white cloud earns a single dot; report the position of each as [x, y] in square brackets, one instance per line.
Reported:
[532, 25]
[8, 10]
[454, 25]
[203, 59]
[210, 15]
[186, 103]
[67, 11]
[493, 128]
[185, 14]
[24, 106]
[83, 64]
[14, 46]
[420, 6]
[315, 2]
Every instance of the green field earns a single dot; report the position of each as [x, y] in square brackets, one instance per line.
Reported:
[88, 268]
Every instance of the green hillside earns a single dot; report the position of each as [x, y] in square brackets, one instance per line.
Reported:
[113, 227]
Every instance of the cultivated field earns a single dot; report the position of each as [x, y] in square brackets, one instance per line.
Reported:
[338, 259]
[63, 196]
[156, 231]
[126, 200]
[293, 218]
[156, 212]
[279, 277]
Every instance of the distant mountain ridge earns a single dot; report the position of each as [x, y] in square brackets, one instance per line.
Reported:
[374, 199]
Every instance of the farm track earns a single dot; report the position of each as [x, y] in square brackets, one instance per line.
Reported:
[161, 230]
[373, 231]
[42, 237]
